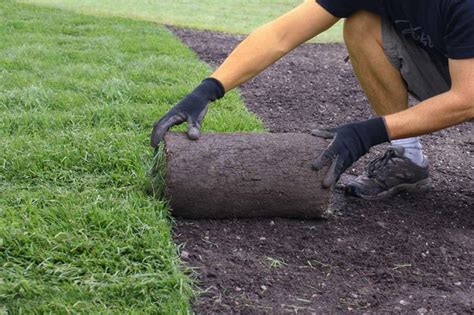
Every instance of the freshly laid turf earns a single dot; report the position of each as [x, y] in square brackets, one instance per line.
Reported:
[78, 96]
[232, 16]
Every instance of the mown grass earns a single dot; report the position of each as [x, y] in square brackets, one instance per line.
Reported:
[232, 16]
[78, 96]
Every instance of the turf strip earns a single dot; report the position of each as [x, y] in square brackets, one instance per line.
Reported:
[78, 95]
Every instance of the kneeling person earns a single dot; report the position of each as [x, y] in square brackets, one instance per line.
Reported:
[421, 47]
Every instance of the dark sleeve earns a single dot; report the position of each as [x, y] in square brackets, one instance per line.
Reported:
[459, 35]
[338, 8]
[344, 8]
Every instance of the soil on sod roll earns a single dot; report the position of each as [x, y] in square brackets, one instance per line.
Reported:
[245, 175]
[411, 253]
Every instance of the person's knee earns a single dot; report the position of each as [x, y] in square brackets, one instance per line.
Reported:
[361, 27]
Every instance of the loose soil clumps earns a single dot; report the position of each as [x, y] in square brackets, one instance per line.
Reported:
[411, 253]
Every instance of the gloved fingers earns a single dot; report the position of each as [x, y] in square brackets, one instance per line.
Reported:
[202, 114]
[194, 125]
[193, 129]
[163, 125]
[323, 133]
[333, 174]
[324, 159]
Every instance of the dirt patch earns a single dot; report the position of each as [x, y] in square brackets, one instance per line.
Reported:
[412, 253]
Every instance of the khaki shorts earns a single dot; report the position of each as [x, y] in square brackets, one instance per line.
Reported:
[426, 75]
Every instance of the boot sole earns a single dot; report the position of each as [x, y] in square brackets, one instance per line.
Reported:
[418, 187]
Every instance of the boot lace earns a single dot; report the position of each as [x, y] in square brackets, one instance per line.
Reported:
[375, 166]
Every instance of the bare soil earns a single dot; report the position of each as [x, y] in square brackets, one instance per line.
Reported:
[411, 253]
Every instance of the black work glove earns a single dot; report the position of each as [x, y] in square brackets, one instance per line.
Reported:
[192, 109]
[349, 143]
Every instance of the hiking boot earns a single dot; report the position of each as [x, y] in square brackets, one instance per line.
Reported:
[388, 175]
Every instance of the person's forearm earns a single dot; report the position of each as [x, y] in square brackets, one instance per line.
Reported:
[262, 48]
[271, 42]
[439, 112]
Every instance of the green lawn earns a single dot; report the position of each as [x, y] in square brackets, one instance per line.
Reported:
[232, 16]
[78, 96]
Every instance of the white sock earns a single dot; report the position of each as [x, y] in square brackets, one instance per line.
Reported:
[413, 150]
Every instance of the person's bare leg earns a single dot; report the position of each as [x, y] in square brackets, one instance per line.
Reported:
[382, 83]
[387, 93]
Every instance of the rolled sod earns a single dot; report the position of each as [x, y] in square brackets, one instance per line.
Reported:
[245, 175]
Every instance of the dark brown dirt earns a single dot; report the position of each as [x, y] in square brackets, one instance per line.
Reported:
[412, 253]
[273, 178]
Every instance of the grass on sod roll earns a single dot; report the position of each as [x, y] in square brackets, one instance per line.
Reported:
[231, 16]
[78, 96]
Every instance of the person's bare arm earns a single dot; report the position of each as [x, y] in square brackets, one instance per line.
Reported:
[272, 41]
[261, 49]
[442, 111]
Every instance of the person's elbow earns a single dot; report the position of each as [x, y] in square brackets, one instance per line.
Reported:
[471, 108]
[464, 103]
[274, 38]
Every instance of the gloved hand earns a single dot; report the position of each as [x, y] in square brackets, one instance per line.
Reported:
[349, 143]
[192, 109]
